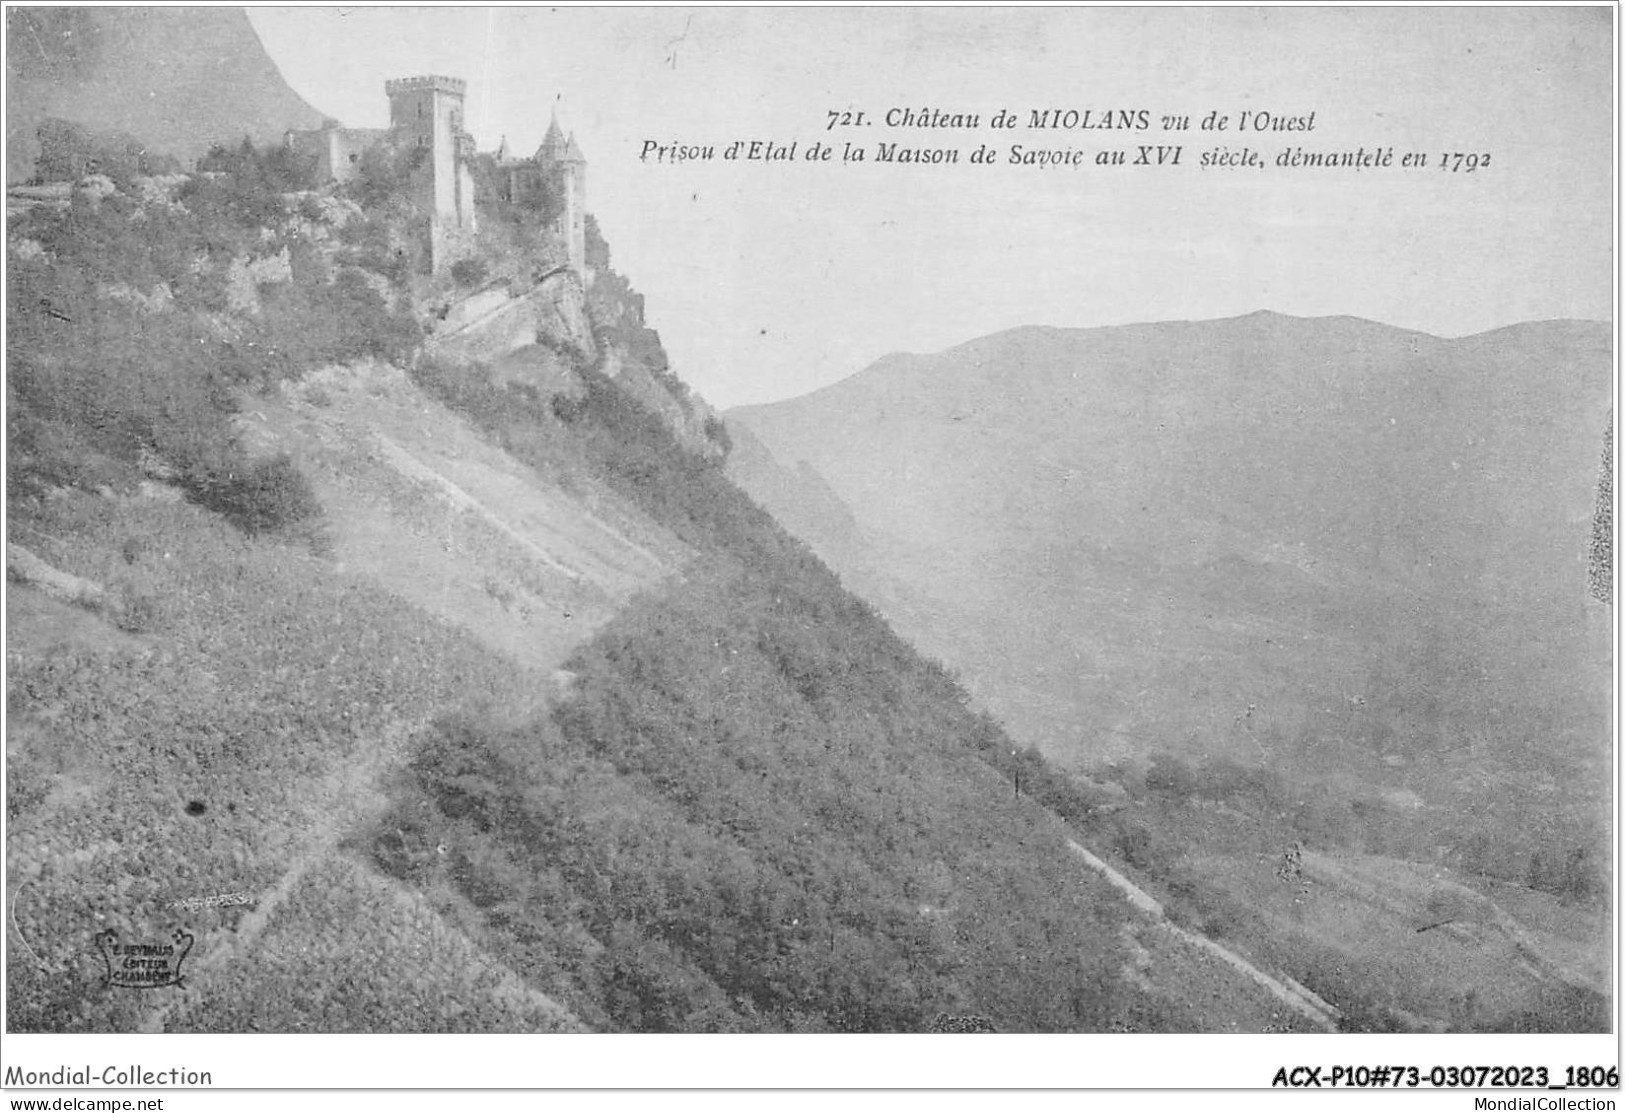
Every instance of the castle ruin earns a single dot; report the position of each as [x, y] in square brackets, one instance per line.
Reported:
[426, 115]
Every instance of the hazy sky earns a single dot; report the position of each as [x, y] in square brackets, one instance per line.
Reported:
[769, 279]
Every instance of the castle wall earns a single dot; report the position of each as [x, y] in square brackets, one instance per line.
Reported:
[346, 148]
[317, 143]
[338, 151]
[465, 196]
[575, 176]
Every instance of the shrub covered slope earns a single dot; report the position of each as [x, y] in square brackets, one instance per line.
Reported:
[757, 809]
[747, 805]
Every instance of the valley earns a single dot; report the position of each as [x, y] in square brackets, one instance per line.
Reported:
[1191, 560]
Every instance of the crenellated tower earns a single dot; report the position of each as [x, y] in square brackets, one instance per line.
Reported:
[427, 113]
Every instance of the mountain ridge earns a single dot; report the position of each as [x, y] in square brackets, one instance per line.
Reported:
[901, 359]
[177, 80]
[1403, 462]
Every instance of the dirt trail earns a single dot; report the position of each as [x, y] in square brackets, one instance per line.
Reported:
[1293, 996]
[345, 800]
[476, 538]
[348, 796]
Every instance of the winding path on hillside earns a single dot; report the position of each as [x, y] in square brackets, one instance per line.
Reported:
[348, 798]
[479, 487]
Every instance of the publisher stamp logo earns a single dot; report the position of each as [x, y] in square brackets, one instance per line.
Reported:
[143, 965]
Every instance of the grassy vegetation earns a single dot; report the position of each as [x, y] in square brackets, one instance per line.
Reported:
[258, 676]
[120, 347]
[349, 952]
[1206, 839]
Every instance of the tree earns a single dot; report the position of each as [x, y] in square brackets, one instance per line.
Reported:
[469, 272]
[717, 433]
[69, 152]
[65, 152]
[286, 170]
[384, 174]
[595, 246]
[1540, 875]
[1170, 776]
[1580, 882]
[544, 202]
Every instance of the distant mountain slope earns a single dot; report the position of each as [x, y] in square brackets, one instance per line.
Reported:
[1237, 534]
[801, 498]
[175, 79]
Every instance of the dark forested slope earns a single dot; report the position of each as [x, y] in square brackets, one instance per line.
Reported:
[757, 808]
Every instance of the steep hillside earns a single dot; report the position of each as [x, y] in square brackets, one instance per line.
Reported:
[398, 693]
[176, 80]
[215, 715]
[449, 521]
[772, 811]
[801, 499]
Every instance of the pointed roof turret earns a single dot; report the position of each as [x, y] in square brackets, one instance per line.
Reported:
[572, 153]
[553, 145]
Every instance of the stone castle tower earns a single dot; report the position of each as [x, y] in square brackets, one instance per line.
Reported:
[570, 171]
[557, 162]
[427, 112]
